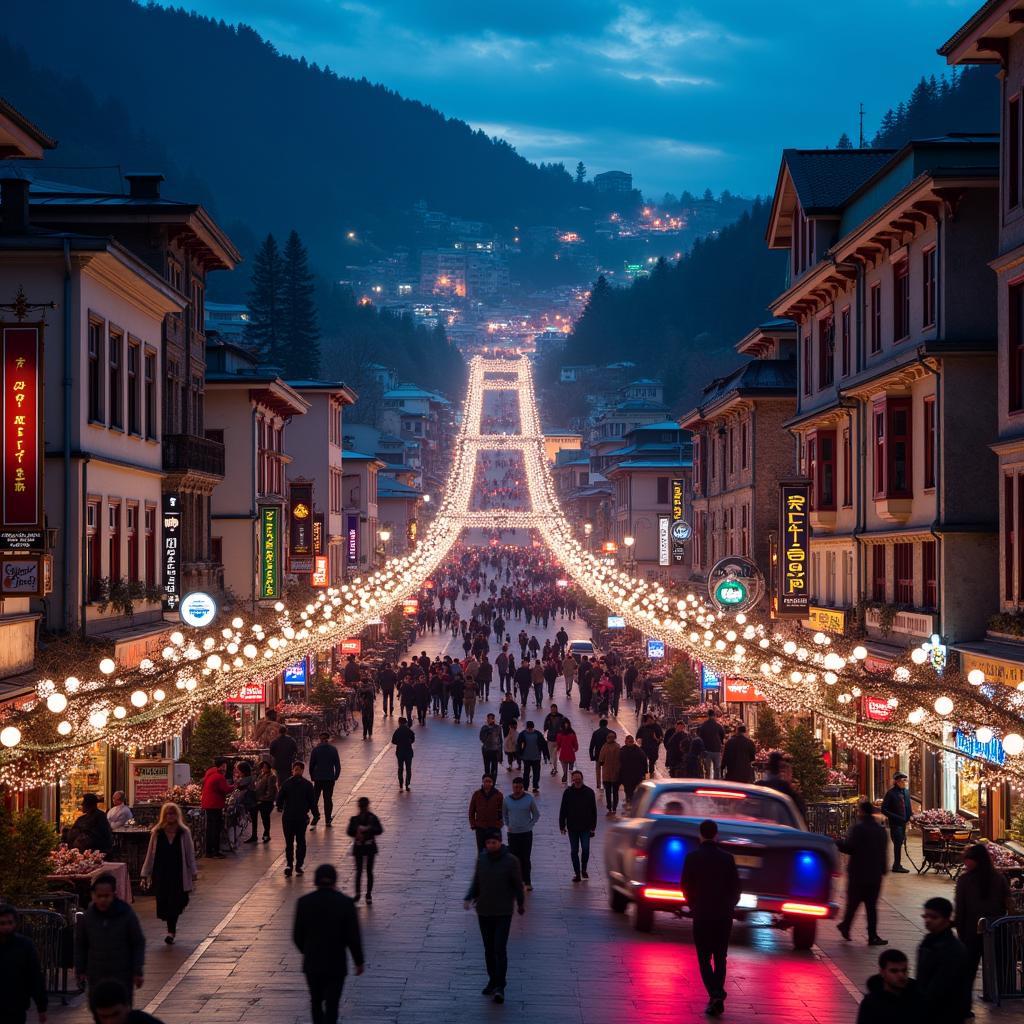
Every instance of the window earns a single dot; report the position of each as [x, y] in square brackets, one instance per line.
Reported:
[197, 405]
[115, 344]
[1009, 538]
[1016, 346]
[197, 308]
[1012, 136]
[929, 574]
[844, 342]
[134, 418]
[892, 448]
[731, 444]
[929, 269]
[175, 275]
[149, 393]
[875, 325]
[847, 578]
[132, 533]
[714, 537]
[903, 573]
[878, 573]
[217, 550]
[96, 371]
[821, 461]
[114, 541]
[711, 457]
[151, 547]
[826, 346]
[928, 407]
[901, 300]
[662, 485]
[335, 495]
[93, 568]
[743, 444]
[806, 341]
[830, 577]
[745, 530]
[847, 469]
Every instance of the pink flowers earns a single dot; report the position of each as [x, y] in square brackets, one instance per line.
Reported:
[937, 817]
[190, 794]
[66, 860]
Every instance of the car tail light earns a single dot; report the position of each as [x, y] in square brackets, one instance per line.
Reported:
[652, 893]
[806, 909]
[725, 794]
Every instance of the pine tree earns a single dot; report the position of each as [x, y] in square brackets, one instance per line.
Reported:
[844, 142]
[264, 331]
[212, 735]
[300, 351]
[809, 771]
[581, 173]
[769, 732]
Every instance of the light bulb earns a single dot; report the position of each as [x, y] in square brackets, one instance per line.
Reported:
[1013, 743]
[56, 702]
[71, 684]
[64, 728]
[177, 638]
[120, 711]
[139, 698]
[213, 661]
[943, 706]
[975, 677]
[10, 736]
[983, 734]
[108, 666]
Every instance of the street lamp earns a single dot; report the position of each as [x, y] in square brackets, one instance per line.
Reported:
[385, 536]
[588, 529]
[629, 540]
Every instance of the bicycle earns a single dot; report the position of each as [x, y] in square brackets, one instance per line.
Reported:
[237, 825]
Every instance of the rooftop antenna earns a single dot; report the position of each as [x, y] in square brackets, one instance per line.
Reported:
[860, 141]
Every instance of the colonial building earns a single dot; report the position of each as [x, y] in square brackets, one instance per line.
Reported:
[364, 547]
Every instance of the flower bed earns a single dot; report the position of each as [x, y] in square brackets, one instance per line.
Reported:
[1004, 858]
[939, 818]
[190, 794]
[66, 860]
[286, 707]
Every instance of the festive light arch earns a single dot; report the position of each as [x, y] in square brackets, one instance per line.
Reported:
[797, 671]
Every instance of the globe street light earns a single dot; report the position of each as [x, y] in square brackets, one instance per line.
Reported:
[629, 540]
[385, 536]
[587, 529]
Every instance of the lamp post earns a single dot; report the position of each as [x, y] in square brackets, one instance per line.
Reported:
[629, 540]
[385, 536]
[588, 528]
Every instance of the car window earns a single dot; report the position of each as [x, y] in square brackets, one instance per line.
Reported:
[738, 805]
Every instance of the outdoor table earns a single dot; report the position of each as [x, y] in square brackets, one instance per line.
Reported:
[942, 848]
[83, 882]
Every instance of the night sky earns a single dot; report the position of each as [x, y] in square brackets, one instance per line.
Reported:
[684, 96]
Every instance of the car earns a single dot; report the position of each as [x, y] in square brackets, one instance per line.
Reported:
[578, 648]
[786, 872]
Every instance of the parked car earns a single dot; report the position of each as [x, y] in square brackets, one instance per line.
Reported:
[578, 648]
[786, 871]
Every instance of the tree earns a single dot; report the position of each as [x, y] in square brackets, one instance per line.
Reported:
[809, 770]
[212, 736]
[681, 685]
[26, 842]
[844, 142]
[581, 173]
[264, 332]
[300, 352]
[769, 732]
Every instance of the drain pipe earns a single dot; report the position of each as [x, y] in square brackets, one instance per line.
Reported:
[937, 522]
[66, 385]
[85, 540]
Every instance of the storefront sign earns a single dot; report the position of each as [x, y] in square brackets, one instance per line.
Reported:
[828, 620]
[1006, 673]
[730, 594]
[735, 583]
[21, 427]
[318, 534]
[616, 622]
[876, 709]
[149, 780]
[300, 527]
[873, 664]
[609, 547]
[655, 649]
[172, 535]
[352, 540]
[680, 529]
[21, 576]
[197, 609]
[794, 555]
[352, 646]
[320, 577]
[270, 552]
[742, 691]
[247, 693]
[967, 743]
[664, 547]
[708, 679]
[295, 675]
[410, 606]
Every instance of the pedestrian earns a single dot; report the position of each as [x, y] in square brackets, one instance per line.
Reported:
[523, 680]
[520, 813]
[91, 829]
[942, 966]
[711, 882]
[552, 725]
[266, 793]
[387, 680]
[632, 768]
[537, 680]
[569, 669]
[484, 676]
[111, 1004]
[779, 777]
[649, 737]
[324, 770]
[469, 692]
[367, 697]
[485, 810]
[245, 795]
[364, 828]
[170, 867]
[597, 738]
[893, 996]
[325, 925]
[898, 810]
[712, 735]
[403, 738]
[531, 748]
[577, 817]
[491, 738]
[407, 698]
[458, 695]
[214, 795]
[283, 752]
[295, 801]
[109, 943]
[511, 745]
[568, 744]
[865, 844]
[497, 886]
[21, 976]
[266, 729]
[738, 756]
[608, 769]
[981, 891]
[677, 749]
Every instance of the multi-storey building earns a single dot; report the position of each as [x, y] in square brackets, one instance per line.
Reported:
[741, 451]
[364, 547]
[424, 420]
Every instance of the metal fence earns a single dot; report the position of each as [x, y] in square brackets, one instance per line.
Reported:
[1003, 958]
[54, 938]
[833, 820]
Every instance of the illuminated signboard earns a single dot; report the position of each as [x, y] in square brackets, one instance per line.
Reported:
[708, 679]
[22, 495]
[794, 548]
[318, 534]
[320, 571]
[21, 575]
[247, 693]
[300, 527]
[270, 552]
[295, 675]
[730, 593]
[663, 541]
[876, 709]
[172, 537]
[680, 528]
[410, 606]
[742, 691]
[610, 547]
[352, 646]
[968, 743]
[655, 649]
[352, 540]
[616, 622]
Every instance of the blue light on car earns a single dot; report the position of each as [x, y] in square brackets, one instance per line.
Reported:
[810, 874]
[668, 860]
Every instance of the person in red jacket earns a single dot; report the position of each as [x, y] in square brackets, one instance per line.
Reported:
[215, 791]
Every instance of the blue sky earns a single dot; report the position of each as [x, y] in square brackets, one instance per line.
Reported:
[684, 95]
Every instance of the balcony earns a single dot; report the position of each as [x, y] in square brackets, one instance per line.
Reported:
[894, 510]
[184, 453]
[909, 622]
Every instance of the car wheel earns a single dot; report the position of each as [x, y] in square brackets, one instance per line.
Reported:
[618, 902]
[804, 933]
[644, 917]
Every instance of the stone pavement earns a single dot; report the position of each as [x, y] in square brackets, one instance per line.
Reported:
[571, 958]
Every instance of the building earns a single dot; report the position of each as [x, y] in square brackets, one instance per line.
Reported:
[391, 450]
[424, 420]
[741, 451]
[613, 182]
[611, 426]
[560, 440]
[571, 470]
[398, 507]
[364, 547]
[229, 319]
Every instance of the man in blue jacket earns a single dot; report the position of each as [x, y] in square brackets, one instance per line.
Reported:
[324, 769]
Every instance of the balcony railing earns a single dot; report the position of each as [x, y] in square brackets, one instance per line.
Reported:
[184, 452]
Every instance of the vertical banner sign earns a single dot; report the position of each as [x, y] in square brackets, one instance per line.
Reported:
[318, 534]
[22, 426]
[794, 533]
[172, 535]
[300, 525]
[678, 516]
[352, 540]
[270, 551]
[663, 541]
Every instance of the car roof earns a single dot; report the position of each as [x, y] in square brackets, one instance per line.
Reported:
[689, 785]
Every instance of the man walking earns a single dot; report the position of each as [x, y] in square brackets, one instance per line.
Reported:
[713, 735]
[326, 924]
[403, 738]
[109, 943]
[520, 813]
[485, 813]
[577, 816]
[387, 680]
[711, 883]
[21, 977]
[942, 966]
[215, 792]
[865, 844]
[497, 885]
[552, 726]
[295, 802]
[897, 808]
[893, 996]
[283, 751]
[491, 739]
[324, 769]
[531, 747]
[649, 737]
[597, 741]
[738, 756]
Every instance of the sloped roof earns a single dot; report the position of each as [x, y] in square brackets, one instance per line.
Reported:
[388, 487]
[825, 178]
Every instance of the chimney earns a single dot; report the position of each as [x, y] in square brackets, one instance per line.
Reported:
[14, 205]
[144, 186]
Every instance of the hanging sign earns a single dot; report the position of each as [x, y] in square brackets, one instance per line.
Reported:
[352, 540]
[655, 649]
[21, 427]
[969, 744]
[320, 571]
[664, 551]
[735, 583]
[197, 609]
[295, 675]
[172, 536]
[318, 534]
[876, 709]
[616, 622]
[247, 693]
[742, 691]
[270, 551]
[680, 530]
[410, 606]
[300, 525]
[22, 575]
[352, 646]
[794, 549]
[708, 679]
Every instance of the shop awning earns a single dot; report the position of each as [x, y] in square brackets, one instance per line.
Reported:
[1002, 661]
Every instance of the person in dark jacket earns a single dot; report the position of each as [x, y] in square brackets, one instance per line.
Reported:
[865, 844]
[712, 735]
[364, 828]
[491, 738]
[711, 882]
[91, 830]
[981, 891]
[295, 802]
[632, 767]
[325, 925]
[531, 748]
[111, 1004]
[597, 740]
[324, 769]
[283, 751]
[738, 756]
[403, 738]
[21, 977]
[387, 680]
[677, 749]
[778, 778]
[108, 939]
[898, 810]
[942, 966]
[497, 886]
[693, 765]
[577, 816]
[893, 996]
[649, 736]
[485, 810]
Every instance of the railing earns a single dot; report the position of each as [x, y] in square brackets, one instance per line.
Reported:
[833, 820]
[1002, 944]
[53, 937]
[183, 452]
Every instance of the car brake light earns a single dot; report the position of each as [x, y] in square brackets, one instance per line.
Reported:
[725, 794]
[664, 894]
[807, 909]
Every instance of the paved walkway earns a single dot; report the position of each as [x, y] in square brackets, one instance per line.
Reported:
[571, 958]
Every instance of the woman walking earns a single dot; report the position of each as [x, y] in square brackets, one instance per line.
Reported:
[364, 828]
[608, 760]
[981, 891]
[567, 743]
[245, 794]
[170, 866]
[469, 698]
[265, 788]
[511, 745]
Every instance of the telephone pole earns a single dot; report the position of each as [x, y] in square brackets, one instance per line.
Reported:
[860, 141]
